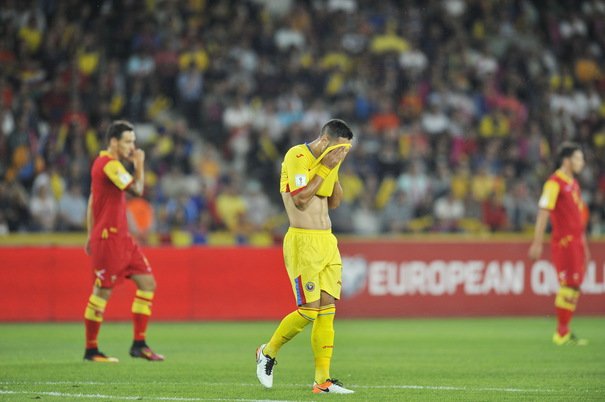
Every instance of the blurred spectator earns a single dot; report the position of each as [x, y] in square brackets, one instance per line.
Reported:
[190, 85]
[258, 206]
[141, 222]
[494, 213]
[448, 212]
[414, 182]
[3, 225]
[398, 213]
[43, 209]
[72, 209]
[521, 207]
[231, 207]
[365, 219]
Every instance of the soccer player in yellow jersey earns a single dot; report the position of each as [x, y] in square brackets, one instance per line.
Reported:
[309, 187]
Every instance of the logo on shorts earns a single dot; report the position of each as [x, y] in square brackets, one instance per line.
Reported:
[309, 286]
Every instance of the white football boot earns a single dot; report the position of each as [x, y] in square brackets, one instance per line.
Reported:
[264, 367]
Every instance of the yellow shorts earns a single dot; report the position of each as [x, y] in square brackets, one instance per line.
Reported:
[313, 263]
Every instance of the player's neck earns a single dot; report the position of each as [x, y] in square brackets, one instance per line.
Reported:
[315, 147]
[113, 153]
[566, 171]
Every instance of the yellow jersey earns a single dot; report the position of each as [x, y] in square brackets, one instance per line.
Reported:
[300, 166]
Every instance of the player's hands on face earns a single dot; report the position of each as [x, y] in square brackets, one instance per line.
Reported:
[138, 156]
[334, 157]
[535, 251]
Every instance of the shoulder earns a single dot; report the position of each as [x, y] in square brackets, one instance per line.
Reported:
[552, 183]
[297, 152]
[296, 149]
[99, 163]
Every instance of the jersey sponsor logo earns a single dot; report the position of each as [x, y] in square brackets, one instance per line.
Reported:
[300, 180]
[300, 155]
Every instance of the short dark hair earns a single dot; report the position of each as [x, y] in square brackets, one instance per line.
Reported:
[116, 128]
[337, 128]
[565, 150]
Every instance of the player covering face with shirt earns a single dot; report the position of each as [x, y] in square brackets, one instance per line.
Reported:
[309, 187]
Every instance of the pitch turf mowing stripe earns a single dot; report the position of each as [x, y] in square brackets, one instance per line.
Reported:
[222, 384]
[133, 398]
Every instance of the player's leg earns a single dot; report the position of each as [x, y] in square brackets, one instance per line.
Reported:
[570, 271]
[93, 318]
[301, 265]
[141, 313]
[322, 334]
[290, 326]
[105, 265]
[322, 342]
[322, 337]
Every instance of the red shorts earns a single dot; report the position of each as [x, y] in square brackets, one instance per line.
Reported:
[570, 261]
[114, 259]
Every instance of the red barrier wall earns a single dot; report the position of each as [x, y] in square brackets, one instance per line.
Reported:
[386, 279]
[381, 279]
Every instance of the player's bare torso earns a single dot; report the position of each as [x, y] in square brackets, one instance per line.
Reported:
[315, 216]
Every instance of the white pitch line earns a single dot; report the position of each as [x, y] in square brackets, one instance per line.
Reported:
[222, 384]
[451, 388]
[133, 398]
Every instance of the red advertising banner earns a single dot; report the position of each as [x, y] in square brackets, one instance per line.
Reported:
[380, 279]
[387, 279]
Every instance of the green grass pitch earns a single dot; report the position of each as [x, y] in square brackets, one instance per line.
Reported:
[483, 359]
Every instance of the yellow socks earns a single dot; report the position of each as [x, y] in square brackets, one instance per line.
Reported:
[93, 317]
[95, 308]
[565, 305]
[142, 302]
[289, 327]
[567, 298]
[322, 342]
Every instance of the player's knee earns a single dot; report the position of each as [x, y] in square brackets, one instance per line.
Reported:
[103, 293]
[145, 282]
[326, 299]
[310, 313]
[149, 284]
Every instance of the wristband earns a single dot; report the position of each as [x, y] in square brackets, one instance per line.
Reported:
[323, 171]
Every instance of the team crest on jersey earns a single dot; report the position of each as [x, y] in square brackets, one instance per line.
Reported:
[300, 180]
[310, 286]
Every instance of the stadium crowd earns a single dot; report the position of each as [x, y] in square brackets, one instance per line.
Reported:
[457, 107]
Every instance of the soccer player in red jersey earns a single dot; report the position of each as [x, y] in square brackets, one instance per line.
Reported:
[115, 255]
[562, 200]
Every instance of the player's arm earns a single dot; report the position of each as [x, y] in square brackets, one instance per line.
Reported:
[138, 185]
[547, 203]
[122, 179]
[89, 223]
[303, 196]
[336, 197]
